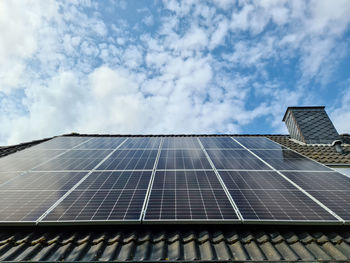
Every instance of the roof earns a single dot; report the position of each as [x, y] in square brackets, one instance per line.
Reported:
[180, 242]
[322, 153]
[171, 243]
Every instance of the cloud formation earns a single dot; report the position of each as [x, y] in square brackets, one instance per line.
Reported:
[175, 67]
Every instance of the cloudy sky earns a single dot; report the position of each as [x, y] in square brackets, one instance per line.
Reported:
[194, 66]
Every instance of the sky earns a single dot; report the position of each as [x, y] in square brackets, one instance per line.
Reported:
[160, 67]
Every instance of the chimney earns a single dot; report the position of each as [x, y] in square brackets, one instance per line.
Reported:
[310, 125]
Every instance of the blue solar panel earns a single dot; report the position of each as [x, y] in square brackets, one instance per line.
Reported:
[180, 143]
[188, 195]
[75, 160]
[258, 143]
[219, 143]
[183, 159]
[289, 160]
[141, 143]
[130, 160]
[106, 196]
[62, 143]
[330, 188]
[102, 143]
[236, 160]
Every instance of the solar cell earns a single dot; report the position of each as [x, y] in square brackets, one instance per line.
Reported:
[183, 159]
[130, 160]
[180, 143]
[141, 143]
[255, 180]
[44, 181]
[336, 200]
[258, 143]
[99, 205]
[289, 160]
[25, 206]
[75, 160]
[116, 180]
[63, 142]
[188, 195]
[319, 180]
[219, 143]
[330, 188]
[6, 176]
[26, 159]
[236, 160]
[102, 143]
[279, 205]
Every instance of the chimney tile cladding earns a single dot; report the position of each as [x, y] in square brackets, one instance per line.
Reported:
[310, 125]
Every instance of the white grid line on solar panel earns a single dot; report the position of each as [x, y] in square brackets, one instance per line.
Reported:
[98, 143]
[288, 160]
[255, 180]
[258, 143]
[116, 180]
[300, 188]
[75, 160]
[47, 161]
[232, 202]
[44, 181]
[180, 143]
[183, 159]
[150, 185]
[219, 143]
[63, 142]
[235, 159]
[142, 143]
[25, 206]
[142, 159]
[279, 205]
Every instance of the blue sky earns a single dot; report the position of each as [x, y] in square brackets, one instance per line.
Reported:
[169, 66]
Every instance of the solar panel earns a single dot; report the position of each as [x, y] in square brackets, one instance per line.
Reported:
[279, 205]
[289, 160]
[104, 196]
[267, 196]
[74, 160]
[180, 143]
[25, 206]
[183, 159]
[44, 181]
[330, 188]
[26, 159]
[62, 142]
[6, 176]
[101, 143]
[236, 160]
[130, 160]
[219, 143]
[258, 143]
[168, 179]
[188, 195]
[141, 143]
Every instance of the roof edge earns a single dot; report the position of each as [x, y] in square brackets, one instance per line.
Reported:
[301, 107]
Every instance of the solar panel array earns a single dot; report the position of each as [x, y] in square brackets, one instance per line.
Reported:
[80, 180]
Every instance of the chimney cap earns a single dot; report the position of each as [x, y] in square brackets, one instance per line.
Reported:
[301, 108]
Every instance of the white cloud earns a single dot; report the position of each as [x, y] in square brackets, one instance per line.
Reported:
[62, 70]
